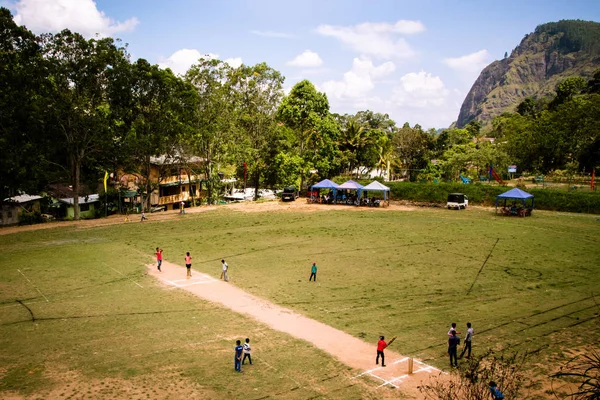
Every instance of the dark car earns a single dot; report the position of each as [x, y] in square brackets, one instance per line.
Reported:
[289, 194]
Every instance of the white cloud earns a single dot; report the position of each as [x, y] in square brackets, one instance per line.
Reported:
[308, 59]
[420, 90]
[80, 16]
[273, 34]
[180, 61]
[472, 63]
[378, 39]
[234, 62]
[357, 82]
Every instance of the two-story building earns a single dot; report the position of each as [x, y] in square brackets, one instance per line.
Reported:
[176, 181]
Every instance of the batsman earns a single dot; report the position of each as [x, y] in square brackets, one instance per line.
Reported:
[381, 345]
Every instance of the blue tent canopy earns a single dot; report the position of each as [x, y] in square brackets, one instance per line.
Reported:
[377, 187]
[325, 184]
[515, 194]
[351, 185]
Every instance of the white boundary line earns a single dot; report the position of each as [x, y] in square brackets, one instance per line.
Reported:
[36, 288]
[375, 369]
[120, 273]
[425, 368]
[385, 382]
[402, 377]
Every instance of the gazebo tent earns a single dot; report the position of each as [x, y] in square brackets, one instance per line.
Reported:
[377, 187]
[350, 185]
[325, 184]
[515, 194]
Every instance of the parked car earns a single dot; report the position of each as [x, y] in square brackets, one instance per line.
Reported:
[157, 208]
[290, 193]
[457, 201]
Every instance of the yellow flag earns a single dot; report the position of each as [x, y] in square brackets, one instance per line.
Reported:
[105, 179]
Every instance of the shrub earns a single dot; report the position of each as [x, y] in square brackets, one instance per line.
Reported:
[470, 382]
[579, 202]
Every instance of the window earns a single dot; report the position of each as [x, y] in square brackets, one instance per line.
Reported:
[84, 207]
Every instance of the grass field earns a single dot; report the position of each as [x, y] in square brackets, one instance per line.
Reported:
[404, 273]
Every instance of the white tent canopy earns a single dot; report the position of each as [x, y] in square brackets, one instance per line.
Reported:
[377, 187]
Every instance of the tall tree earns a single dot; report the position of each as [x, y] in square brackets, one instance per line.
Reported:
[80, 71]
[258, 92]
[212, 137]
[412, 146]
[25, 146]
[157, 115]
[354, 141]
[305, 110]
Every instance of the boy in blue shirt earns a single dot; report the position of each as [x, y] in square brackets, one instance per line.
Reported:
[453, 343]
[238, 356]
[496, 393]
[313, 272]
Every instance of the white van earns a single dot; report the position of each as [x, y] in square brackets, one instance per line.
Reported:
[457, 201]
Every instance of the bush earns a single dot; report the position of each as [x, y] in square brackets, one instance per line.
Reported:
[30, 218]
[470, 382]
[485, 195]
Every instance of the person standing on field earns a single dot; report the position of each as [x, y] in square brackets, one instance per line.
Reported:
[143, 216]
[381, 345]
[188, 264]
[237, 362]
[247, 351]
[453, 329]
[453, 343]
[158, 258]
[468, 339]
[313, 272]
[225, 269]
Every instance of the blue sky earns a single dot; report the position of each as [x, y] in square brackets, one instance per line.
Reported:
[415, 60]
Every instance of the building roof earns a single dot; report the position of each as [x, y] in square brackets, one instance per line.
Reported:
[23, 198]
[92, 198]
[174, 160]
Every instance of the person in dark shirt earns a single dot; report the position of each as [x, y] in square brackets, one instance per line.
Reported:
[453, 343]
[238, 356]
[495, 392]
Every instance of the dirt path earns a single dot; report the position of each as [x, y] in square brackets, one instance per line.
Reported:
[349, 350]
[296, 206]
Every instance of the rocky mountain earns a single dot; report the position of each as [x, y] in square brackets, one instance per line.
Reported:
[554, 51]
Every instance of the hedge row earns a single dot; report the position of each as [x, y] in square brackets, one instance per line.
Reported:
[579, 202]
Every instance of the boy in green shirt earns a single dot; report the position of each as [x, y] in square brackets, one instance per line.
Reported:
[313, 272]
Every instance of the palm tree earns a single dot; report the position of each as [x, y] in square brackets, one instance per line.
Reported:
[353, 140]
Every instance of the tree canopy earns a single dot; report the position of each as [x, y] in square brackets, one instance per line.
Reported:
[72, 108]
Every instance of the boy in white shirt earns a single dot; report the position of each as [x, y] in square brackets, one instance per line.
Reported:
[247, 351]
[468, 339]
[225, 268]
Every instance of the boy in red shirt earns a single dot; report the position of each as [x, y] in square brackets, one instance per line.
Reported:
[158, 258]
[381, 345]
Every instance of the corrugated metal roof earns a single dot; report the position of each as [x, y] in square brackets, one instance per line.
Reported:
[92, 198]
[23, 198]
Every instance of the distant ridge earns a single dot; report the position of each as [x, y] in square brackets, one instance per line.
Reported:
[554, 51]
